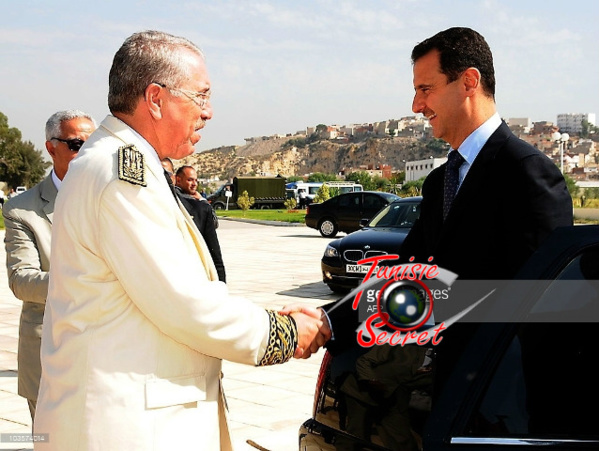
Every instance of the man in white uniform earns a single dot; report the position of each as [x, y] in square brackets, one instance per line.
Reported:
[136, 321]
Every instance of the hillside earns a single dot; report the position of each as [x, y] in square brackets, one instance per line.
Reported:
[297, 156]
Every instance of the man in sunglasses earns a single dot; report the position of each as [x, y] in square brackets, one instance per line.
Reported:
[28, 221]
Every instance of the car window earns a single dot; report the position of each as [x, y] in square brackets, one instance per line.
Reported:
[332, 202]
[543, 386]
[397, 215]
[373, 202]
[351, 200]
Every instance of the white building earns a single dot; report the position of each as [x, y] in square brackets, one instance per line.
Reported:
[523, 123]
[572, 122]
[415, 170]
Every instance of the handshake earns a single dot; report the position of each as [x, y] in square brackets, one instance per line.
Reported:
[313, 328]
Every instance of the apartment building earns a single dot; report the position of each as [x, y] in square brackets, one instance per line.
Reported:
[572, 122]
[415, 170]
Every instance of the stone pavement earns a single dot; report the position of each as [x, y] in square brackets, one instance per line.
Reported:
[272, 266]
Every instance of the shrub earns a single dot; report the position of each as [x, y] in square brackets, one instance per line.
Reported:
[322, 194]
[290, 203]
[245, 202]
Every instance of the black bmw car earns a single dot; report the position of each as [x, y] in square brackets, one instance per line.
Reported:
[382, 235]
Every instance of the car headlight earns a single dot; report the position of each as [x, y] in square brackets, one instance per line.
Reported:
[330, 251]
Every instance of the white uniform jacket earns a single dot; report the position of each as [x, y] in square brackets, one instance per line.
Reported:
[135, 330]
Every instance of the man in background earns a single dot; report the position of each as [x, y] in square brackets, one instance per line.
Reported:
[28, 222]
[186, 179]
[202, 213]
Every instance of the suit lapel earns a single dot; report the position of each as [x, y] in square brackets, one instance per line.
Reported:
[48, 194]
[477, 176]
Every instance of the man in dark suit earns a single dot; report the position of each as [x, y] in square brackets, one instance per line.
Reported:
[509, 195]
[504, 198]
[28, 221]
[186, 182]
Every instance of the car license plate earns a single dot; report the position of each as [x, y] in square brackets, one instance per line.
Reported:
[357, 269]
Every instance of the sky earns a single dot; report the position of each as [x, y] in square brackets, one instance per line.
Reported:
[277, 67]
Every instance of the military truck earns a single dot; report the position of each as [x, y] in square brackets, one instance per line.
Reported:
[268, 192]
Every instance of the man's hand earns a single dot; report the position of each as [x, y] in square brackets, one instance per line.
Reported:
[308, 327]
[321, 337]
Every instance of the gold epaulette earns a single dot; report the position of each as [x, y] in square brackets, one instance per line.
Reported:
[131, 165]
[282, 339]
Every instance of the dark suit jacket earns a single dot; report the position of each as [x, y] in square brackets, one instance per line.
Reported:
[203, 217]
[512, 198]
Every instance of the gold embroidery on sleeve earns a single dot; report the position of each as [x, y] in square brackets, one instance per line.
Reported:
[282, 339]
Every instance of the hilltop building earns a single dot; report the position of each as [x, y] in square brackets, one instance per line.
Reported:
[572, 122]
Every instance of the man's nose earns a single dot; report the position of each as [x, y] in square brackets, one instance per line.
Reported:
[417, 104]
[207, 111]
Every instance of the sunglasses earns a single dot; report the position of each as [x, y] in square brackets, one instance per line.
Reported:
[73, 144]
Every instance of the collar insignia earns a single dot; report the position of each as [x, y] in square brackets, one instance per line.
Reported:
[131, 165]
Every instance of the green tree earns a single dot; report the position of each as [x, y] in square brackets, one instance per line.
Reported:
[396, 181]
[321, 177]
[571, 185]
[322, 194]
[585, 129]
[381, 183]
[245, 202]
[413, 188]
[363, 178]
[437, 147]
[20, 162]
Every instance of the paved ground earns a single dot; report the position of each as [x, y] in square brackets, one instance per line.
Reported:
[586, 213]
[270, 265]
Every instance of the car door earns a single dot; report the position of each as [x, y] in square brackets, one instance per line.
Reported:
[349, 211]
[372, 204]
[528, 383]
[525, 378]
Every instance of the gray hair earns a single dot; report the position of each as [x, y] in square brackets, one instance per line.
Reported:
[54, 123]
[144, 58]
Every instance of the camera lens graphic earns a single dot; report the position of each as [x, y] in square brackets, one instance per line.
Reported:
[407, 303]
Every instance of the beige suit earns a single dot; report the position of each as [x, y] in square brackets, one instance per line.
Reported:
[135, 330]
[28, 222]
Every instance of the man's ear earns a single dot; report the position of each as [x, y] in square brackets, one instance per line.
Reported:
[471, 78]
[154, 98]
[50, 148]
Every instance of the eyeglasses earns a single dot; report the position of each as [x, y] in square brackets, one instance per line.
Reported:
[73, 144]
[201, 99]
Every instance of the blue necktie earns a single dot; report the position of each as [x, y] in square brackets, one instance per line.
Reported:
[452, 180]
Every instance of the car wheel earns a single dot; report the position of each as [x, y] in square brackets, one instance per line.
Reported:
[327, 228]
[219, 206]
